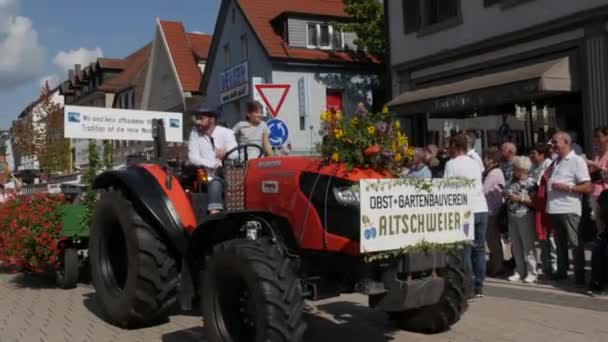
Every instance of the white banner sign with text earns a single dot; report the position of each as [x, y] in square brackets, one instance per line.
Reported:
[119, 124]
[396, 213]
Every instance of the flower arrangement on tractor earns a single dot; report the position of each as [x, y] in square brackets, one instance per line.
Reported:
[364, 140]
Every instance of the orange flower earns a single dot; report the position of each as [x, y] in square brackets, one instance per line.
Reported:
[372, 150]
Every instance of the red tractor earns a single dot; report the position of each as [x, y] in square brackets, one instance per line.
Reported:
[290, 233]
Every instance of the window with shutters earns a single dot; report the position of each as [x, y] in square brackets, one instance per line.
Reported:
[425, 15]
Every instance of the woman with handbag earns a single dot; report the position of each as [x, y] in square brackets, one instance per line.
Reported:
[541, 171]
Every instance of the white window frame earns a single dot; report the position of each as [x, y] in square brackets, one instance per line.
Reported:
[318, 34]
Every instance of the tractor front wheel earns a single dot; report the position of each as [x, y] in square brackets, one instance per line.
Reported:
[452, 304]
[250, 292]
[134, 274]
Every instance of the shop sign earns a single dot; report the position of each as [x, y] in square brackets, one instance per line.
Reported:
[234, 83]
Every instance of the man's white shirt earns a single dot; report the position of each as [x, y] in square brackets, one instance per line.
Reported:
[466, 167]
[571, 170]
[473, 154]
[201, 148]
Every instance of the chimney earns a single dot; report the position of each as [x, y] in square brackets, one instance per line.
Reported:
[77, 69]
[70, 74]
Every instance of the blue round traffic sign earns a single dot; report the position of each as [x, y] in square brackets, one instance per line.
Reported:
[278, 132]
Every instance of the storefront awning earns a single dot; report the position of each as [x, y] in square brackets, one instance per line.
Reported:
[498, 88]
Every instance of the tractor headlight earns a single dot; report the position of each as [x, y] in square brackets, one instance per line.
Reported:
[348, 196]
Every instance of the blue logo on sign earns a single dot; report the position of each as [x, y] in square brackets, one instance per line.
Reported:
[74, 117]
[278, 132]
[174, 123]
[370, 233]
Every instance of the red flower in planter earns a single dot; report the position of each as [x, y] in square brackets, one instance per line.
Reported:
[372, 150]
[29, 231]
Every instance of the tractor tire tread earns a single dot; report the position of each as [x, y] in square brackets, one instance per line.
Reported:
[283, 301]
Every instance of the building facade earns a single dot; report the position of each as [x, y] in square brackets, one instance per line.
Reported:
[506, 69]
[293, 44]
[163, 75]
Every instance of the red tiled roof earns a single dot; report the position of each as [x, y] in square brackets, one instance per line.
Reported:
[112, 63]
[134, 64]
[200, 43]
[182, 55]
[260, 14]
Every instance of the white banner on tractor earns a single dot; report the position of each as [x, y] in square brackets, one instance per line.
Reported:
[119, 124]
[397, 213]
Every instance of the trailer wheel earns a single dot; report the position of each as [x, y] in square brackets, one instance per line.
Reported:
[67, 274]
[250, 292]
[452, 304]
[134, 274]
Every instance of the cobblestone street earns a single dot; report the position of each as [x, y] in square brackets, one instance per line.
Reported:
[33, 310]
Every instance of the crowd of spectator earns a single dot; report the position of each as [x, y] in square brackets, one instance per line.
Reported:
[551, 199]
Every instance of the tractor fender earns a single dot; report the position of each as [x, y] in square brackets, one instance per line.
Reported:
[217, 228]
[148, 197]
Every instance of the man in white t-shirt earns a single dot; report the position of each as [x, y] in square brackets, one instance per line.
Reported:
[568, 181]
[462, 165]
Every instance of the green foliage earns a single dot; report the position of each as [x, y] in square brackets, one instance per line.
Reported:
[364, 140]
[422, 247]
[107, 154]
[90, 196]
[368, 24]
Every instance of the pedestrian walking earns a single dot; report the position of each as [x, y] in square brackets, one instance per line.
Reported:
[462, 165]
[520, 195]
[568, 181]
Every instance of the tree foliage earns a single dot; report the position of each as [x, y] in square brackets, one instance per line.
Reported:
[367, 23]
[40, 134]
[107, 154]
[90, 196]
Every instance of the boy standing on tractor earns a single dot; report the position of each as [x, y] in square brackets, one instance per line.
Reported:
[207, 147]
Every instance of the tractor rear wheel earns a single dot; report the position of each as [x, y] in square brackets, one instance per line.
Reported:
[251, 292]
[134, 274]
[452, 304]
[67, 274]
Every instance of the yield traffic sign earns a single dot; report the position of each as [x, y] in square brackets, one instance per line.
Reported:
[273, 96]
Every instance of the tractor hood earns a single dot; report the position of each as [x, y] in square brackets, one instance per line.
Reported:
[315, 165]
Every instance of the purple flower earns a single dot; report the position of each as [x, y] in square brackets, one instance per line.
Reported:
[382, 127]
[387, 153]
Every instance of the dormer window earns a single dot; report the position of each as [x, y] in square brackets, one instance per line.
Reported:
[324, 36]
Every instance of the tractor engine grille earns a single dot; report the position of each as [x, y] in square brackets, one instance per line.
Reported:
[336, 218]
[235, 188]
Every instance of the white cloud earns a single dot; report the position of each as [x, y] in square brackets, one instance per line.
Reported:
[52, 79]
[83, 56]
[22, 58]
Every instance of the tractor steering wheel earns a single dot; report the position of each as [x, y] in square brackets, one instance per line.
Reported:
[246, 153]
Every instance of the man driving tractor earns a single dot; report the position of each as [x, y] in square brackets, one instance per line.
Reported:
[207, 147]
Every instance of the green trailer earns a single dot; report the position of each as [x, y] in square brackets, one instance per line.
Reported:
[74, 240]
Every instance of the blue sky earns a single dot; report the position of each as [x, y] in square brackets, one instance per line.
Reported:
[46, 36]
